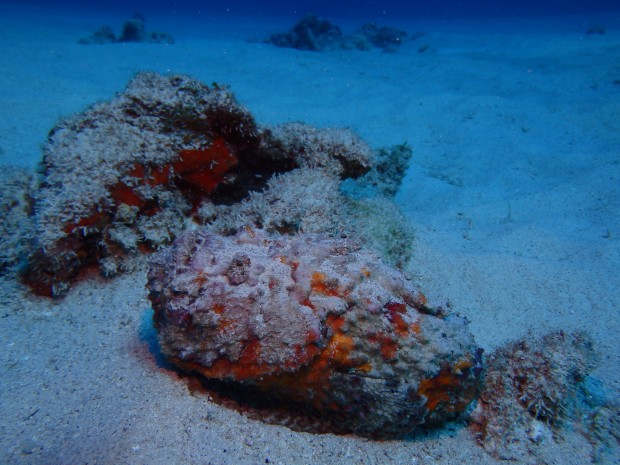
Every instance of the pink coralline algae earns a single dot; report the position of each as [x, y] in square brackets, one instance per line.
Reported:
[316, 321]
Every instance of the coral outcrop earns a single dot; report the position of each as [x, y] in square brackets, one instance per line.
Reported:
[127, 176]
[315, 320]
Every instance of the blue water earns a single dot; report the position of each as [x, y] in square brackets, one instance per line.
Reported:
[368, 9]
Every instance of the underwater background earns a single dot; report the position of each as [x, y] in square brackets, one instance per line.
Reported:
[495, 190]
[369, 9]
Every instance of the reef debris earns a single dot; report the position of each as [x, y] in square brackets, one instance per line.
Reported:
[310, 33]
[596, 29]
[318, 321]
[384, 37]
[316, 34]
[533, 388]
[134, 30]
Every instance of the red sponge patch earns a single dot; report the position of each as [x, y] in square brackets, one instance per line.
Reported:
[205, 169]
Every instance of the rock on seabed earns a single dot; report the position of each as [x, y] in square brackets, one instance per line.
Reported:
[313, 320]
[126, 176]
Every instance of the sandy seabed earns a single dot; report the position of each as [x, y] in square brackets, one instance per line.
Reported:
[513, 191]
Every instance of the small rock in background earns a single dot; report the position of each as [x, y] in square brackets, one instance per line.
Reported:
[133, 31]
[596, 30]
[104, 35]
[386, 38]
[311, 33]
[319, 35]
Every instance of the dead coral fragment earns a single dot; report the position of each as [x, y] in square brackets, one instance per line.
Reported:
[531, 387]
[133, 31]
[313, 320]
[316, 34]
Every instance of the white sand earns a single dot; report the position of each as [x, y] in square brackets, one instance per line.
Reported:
[514, 191]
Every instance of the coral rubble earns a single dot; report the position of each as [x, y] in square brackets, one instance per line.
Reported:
[133, 31]
[319, 321]
[170, 153]
[316, 34]
[103, 35]
[311, 33]
[531, 389]
[384, 37]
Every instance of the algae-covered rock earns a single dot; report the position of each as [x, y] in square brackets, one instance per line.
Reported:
[313, 320]
[129, 175]
[16, 228]
[531, 388]
[319, 35]
[133, 30]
